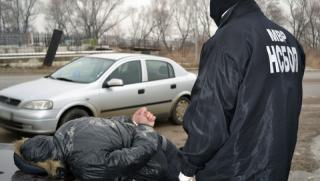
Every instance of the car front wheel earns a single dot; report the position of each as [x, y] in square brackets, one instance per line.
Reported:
[72, 114]
[179, 109]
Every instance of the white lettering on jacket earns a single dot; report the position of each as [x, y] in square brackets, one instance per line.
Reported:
[277, 35]
[282, 59]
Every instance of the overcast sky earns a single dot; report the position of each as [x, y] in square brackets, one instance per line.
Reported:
[40, 23]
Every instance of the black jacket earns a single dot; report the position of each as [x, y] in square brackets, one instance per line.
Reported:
[243, 118]
[102, 149]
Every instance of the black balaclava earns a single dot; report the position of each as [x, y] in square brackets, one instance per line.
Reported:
[218, 7]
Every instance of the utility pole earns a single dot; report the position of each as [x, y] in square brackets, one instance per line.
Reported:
[52, 50]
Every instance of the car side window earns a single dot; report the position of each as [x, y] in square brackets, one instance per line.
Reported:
[159, 70]
[129, 73]
[171, 71]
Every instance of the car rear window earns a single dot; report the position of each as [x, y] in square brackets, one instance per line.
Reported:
[159, 70]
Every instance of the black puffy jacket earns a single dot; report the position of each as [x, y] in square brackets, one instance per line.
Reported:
[102, 149]
[243, 118]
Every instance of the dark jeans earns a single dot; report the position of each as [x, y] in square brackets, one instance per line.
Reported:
[173, 160]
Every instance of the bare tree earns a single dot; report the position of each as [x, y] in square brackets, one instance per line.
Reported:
[4, 16]
[17, 15]
[93, 18]
[29, 12]
[299, 18]
[117, 39]
[56, 15]
[22, 13]
[184, 21]
[272, 10]
[203, 16]
[313, 15]
[305, 21]
[135, 24]
[162, 15]
[142, 25]
[318, 31]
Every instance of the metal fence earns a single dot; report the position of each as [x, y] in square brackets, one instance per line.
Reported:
[39, 42]
[23, 43]
[15, 43]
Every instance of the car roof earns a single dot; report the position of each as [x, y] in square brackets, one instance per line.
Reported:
[120, 56]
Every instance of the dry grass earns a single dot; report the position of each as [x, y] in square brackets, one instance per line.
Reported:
[313, 58]
[186, 58]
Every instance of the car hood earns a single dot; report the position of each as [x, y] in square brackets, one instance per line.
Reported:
[40, 89]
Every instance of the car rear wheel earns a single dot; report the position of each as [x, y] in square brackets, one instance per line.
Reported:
[72, 114]
[179, 109]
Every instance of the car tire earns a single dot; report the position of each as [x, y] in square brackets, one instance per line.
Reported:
[179, 109]
[72, 114]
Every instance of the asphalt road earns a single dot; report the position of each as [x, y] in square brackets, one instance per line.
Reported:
[13, 79]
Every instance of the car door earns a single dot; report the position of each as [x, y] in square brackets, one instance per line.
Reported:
[126, 99]
[161, 87]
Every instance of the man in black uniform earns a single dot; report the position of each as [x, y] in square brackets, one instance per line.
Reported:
[243, 118]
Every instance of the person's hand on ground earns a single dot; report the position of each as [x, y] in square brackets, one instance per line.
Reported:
[143, 116]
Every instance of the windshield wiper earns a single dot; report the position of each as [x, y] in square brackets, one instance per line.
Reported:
[49, 76]
[64, 79]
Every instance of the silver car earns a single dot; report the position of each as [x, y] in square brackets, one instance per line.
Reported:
[100, 85]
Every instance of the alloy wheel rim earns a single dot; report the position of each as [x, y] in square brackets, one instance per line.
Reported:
[181, 109]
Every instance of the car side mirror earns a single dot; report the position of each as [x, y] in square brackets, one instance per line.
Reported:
[113, 83]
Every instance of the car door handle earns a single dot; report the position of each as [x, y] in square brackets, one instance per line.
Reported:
[173, 86]
[141, 91]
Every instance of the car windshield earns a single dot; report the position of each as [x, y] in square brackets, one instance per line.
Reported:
[83, 70]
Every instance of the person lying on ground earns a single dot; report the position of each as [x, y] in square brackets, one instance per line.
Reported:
[101, 149]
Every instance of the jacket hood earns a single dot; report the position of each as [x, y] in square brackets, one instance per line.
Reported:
[218, 7]
[39, 152]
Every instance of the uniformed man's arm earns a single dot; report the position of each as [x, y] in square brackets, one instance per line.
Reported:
[212, 104]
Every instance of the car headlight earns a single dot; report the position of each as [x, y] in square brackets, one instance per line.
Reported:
[38, 105]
